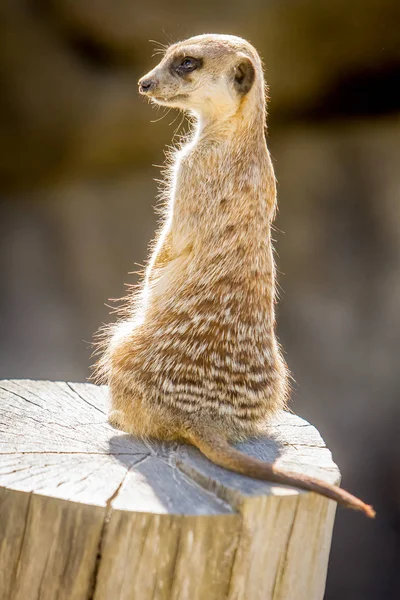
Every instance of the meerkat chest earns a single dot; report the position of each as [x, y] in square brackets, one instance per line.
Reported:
[202, 182]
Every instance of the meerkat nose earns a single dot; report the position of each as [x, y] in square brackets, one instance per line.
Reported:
[146, 85]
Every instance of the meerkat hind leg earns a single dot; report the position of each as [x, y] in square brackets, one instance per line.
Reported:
[116, 418]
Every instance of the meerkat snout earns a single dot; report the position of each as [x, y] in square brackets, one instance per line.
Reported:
[146, 85]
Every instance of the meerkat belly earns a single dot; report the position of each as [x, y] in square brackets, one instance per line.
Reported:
[207, 348]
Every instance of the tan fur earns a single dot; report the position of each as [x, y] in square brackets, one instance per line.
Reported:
[196, 357]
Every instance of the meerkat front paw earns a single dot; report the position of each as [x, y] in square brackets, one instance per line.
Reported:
[116, 418]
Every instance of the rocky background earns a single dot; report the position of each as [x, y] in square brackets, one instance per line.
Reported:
[77, 196]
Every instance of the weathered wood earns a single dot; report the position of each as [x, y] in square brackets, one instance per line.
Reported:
[88, 512]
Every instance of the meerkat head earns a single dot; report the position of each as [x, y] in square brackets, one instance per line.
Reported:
[208, 75]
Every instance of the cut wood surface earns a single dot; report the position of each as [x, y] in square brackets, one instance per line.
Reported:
[90, 513]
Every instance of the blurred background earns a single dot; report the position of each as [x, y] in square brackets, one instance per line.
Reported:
[77, 193]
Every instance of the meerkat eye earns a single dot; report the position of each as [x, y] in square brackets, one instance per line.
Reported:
[188, 64]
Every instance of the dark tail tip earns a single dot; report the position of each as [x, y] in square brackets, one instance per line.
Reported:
[369, 511]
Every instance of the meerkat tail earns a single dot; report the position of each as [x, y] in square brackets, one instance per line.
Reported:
[217, 449]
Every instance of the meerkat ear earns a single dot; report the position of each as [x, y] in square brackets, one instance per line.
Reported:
[244, 75]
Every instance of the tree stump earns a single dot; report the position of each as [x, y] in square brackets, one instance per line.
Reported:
[88, 512]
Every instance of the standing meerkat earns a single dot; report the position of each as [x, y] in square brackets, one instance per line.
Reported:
[196, 357]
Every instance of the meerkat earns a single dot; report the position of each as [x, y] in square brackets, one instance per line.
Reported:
[196, 358]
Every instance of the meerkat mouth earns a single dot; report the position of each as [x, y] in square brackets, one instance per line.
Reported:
[165, 100]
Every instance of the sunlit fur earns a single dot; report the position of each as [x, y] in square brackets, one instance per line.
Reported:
[195, 356]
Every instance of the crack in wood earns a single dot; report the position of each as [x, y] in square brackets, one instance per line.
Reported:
[21, 397]
[69, 385]
[17, 564]
[18, 383]
[195, 484]
[107, 517]
[216, 489]
[102, 536]
[284, 560]
[49, 553]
